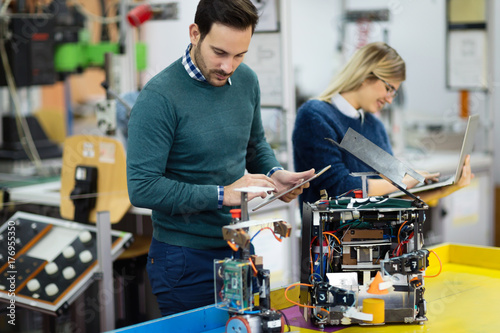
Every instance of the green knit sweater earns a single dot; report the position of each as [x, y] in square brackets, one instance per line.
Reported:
[185, 137]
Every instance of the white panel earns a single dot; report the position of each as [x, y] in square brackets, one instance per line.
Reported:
[52, 244]
[167, 40]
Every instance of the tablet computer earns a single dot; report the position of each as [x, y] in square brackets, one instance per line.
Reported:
[278, 195]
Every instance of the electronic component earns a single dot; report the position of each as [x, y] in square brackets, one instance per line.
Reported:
[235, 279]
[364, 243]
[326, 295]
[54, 260]
[30, 51]
[233, 285]
[410, 263]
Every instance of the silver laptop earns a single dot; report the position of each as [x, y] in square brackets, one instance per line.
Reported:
[467, 145]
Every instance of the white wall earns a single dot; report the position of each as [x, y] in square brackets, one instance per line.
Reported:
[315, 37]
[167, 40]
[418, 34]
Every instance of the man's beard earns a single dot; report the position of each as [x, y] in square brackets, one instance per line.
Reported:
[200, 63]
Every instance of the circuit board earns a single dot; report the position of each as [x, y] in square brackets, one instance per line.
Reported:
[233, 284]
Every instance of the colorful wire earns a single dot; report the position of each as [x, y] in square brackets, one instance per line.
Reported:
[293, 302]
[440, 266]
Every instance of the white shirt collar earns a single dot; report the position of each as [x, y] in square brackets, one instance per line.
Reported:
[346, 108]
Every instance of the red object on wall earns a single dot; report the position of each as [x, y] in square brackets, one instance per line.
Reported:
[464, 104]
[139, 15]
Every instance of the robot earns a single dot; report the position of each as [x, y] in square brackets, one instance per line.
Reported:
[362, 258]
[360, 254]
[237, 279]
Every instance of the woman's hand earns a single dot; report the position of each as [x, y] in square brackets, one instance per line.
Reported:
[429, 178]
[467, 174]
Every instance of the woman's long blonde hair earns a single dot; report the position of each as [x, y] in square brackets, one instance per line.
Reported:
[371, 61]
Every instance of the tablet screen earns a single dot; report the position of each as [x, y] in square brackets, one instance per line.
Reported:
[278, 195]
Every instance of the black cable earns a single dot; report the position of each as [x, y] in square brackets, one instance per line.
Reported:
[104, 27]
[286, 320]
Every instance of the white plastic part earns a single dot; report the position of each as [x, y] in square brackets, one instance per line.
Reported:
[51, 268]
[85, 256]
[353, 313]
[384, 285]
[85, 236]
[51, 289]
[33, 285]
[69, 252]
[69, 273]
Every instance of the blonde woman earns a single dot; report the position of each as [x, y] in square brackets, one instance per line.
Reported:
[369, 80]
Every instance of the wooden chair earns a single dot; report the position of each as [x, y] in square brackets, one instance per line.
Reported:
[108, 156]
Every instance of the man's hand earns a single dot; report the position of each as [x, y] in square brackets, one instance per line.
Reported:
[233, 198]
[285, 179]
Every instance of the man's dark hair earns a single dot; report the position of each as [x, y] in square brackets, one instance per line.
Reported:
[239, 14]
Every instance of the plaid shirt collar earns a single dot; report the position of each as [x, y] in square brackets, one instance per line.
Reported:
[191, 68]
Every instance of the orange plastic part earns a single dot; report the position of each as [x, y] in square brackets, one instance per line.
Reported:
[235, 213]
[374, 286]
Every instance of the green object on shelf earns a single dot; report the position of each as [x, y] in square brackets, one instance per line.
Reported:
[141, 56]
[71, 57]
[68, 57]
[95, 52]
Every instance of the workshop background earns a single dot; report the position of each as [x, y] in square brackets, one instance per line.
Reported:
[452, 54]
